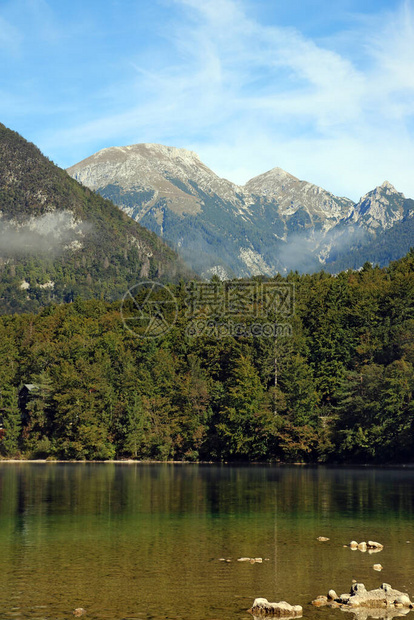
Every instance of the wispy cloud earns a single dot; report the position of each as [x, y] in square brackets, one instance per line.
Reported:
[248, 95]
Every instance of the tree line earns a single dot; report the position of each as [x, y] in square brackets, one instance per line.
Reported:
[75, 383]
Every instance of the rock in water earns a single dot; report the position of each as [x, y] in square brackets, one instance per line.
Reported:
[384, 597]
[262, 607]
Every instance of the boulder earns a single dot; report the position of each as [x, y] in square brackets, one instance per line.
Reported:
[372, 544]
[262, 607]
[383, 597]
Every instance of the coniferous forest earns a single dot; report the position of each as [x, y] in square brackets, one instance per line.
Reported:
[75, 383]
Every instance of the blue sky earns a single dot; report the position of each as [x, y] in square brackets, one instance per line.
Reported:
[322, 88]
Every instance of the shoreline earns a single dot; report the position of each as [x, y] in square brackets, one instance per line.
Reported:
[227, 463]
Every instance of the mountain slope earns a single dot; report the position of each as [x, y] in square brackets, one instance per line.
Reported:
[59, 240]
[275, 222]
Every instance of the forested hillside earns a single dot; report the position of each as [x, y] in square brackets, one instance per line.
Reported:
[342, 390]
[59, 240]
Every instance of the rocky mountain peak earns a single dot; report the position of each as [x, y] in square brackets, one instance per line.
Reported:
[381, 207]
[220, 227]
[270, 182]
[155, 172]
[293, 195]
[388, 186]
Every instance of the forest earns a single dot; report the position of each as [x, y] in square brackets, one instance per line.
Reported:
[76, 382]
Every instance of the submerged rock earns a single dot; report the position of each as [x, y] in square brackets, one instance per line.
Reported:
[79, 612]
[383, 597]
[322, 538]
[371, 546]
[262, 607]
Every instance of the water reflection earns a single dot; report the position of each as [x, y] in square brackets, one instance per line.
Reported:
[130, 540]
[386, 614]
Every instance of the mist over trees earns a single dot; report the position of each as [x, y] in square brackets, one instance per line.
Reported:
[76, 384]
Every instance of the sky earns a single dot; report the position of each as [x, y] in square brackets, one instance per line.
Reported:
[321, 88]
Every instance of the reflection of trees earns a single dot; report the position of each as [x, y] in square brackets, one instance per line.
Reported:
[108, 526]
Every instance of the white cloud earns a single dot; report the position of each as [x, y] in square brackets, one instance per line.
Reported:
[249, 96]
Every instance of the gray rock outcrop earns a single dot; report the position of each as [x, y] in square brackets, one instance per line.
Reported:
[382, 598]
[262, 607]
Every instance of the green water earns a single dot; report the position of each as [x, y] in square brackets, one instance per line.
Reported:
[145, 541]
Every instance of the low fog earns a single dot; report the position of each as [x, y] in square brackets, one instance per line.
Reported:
[50, 233]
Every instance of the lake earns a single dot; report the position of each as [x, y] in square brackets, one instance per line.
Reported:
[141, 541]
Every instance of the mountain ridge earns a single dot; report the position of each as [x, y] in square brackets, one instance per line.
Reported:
[53, 230]
[273, 223]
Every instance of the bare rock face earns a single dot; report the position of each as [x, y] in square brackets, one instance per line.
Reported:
[383, 597]
[262, 607]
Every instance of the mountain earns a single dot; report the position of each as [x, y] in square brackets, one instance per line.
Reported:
[378, 229]
[380, 208]
[171, 192]
[275, 222]
[59, 240]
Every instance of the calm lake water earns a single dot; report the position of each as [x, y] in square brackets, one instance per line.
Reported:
[145, 541]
